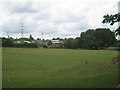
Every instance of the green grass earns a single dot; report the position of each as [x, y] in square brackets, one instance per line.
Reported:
[58, 68]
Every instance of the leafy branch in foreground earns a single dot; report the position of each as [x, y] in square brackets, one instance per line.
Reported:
[111, 19]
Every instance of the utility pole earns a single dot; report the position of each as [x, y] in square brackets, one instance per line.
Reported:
[22, 29]
[8, 34]
[42, 35]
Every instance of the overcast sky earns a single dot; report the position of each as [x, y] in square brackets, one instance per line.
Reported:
[55, 18]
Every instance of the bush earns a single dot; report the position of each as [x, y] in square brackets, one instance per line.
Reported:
[45, 46]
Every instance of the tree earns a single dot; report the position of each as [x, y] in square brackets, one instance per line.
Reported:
[105, 37]
[97, 39]
[31, 38]
[87, 39]
[71, 43]
[68, 43]
[75, 44]
[89, 42]
[7, 42]
[49, 43]
[38, 38]
[58, 38]
[112, 19]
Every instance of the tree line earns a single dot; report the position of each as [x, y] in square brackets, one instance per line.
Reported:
[99, 38]
[9, 42]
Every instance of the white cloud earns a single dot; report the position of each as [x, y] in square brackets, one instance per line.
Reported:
[65, 18]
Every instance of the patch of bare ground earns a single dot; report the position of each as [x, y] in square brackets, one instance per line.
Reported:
[112, 63]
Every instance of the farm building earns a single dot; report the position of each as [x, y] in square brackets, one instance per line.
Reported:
[56, 44]
[55, 41]
[41, 42]
[20, 41]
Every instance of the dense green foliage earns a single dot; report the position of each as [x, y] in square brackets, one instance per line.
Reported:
[49, 42]
[92, 39]
[58, 38]
[112, 19]
[8, 42]
[58, 68]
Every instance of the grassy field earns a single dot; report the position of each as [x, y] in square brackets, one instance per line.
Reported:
[58, 68]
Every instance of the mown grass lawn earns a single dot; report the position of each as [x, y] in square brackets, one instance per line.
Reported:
[58, 68]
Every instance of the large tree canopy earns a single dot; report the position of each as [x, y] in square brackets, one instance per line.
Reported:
[97, 39]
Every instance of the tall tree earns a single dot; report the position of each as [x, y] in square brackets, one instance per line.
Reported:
[105, 37]
[31, 38]
[97, 39]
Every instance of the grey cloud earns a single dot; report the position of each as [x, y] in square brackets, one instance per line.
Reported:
[69, 17]
[42, 16]
[49, 29]
[11, 27]
[21, 7]
[45, 14]
[15, 27]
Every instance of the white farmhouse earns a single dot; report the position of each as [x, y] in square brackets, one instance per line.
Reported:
[18, 42]
[27, 42]
[21, 41]
[55, 41]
